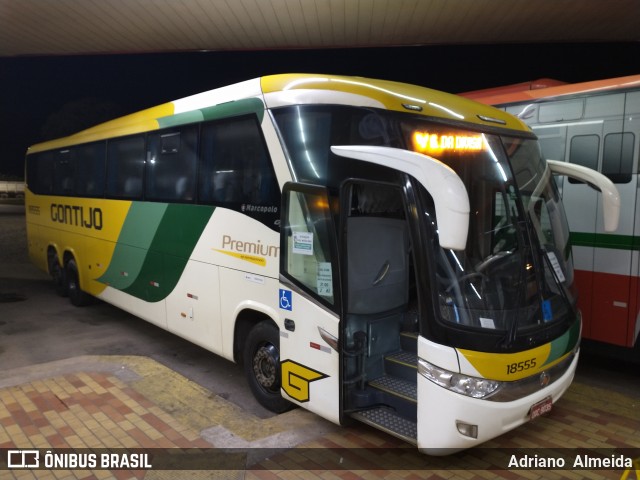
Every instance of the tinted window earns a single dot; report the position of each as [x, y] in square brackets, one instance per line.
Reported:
[584, 151]
[90, 169]
[64, 172]
[236, 170]
[617, 157]
[40, 173]
[310, 131]
[171, 166]
[125, 166]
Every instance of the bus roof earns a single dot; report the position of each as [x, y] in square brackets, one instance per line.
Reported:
[548, 88]
[294, 89]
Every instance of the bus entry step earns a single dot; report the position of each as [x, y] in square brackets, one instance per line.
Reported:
[387, 420]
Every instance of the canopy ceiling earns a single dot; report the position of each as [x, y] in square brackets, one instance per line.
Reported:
[65, 27]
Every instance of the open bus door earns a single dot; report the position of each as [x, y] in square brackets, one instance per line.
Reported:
[375, 268]
[309, 301]
[375, 263]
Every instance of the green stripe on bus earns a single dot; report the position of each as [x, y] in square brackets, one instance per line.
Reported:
[239, 107]
[174, 240]
[136, 235]
[141, 223]
[180, 119]
[564, 344]
[600, 240]
[224, 110]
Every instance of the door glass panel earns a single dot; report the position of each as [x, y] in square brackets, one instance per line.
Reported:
[307, 245]
[584, 151]
[617, 160]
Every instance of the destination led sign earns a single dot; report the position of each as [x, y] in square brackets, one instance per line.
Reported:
[425, 142]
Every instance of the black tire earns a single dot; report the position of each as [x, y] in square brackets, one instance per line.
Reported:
[262, 367]
[76, 295]
[57, 273]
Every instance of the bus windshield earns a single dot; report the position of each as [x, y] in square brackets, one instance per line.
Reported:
[516, 272]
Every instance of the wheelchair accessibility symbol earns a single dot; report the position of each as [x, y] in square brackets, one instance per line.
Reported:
[285, 299]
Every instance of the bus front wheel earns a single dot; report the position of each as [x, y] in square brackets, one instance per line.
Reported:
[262, 366]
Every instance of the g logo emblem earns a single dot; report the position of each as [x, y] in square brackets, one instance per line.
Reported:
[296, 379]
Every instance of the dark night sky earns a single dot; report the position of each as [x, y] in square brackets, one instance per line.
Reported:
[34, 88]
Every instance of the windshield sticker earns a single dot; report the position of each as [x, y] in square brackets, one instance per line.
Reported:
[324, 279]
[487, 323]
[556, 266]
[303, 243]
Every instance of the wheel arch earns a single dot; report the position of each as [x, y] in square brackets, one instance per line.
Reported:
[246, 319]
[53, 251]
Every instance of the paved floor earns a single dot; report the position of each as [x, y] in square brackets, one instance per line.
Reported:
[102, 404]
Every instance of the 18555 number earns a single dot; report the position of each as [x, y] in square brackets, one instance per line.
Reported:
[520, 366]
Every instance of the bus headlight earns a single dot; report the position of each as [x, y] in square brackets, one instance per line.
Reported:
[457, 382]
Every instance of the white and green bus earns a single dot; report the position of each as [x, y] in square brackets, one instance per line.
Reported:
[369, 250]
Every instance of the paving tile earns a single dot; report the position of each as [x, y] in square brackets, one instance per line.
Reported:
[96, 409]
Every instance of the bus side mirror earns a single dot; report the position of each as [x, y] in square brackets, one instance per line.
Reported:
[443, 184]
[610, 195]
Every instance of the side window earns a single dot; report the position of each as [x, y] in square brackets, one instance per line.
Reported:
[236, 170]
[125, 166]
[617, 157]
[90, 169]
[584, 151]
[171, 165]
[553, 142]
[307, 135]
[561, 111]
[307, 242]
[64, 172]
[40, 173]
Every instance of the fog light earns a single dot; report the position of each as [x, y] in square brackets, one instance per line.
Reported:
[467, 430]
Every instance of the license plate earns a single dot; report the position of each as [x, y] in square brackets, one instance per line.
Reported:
[541, 408]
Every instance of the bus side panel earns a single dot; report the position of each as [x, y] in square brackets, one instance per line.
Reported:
[584, 286]
[610, 314]
[613, 291]
[244, 254]
[37, 246]
[633, 323]
[152, 312]
[632, 124]
[193, 308]
[244, 291]
[99, 254]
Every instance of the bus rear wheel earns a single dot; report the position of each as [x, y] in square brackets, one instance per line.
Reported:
[57, 275]
[78, 297]
[262, 367]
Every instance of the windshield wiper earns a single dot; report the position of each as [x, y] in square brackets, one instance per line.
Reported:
[512, 333]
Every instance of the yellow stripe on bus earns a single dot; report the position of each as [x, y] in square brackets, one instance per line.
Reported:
[510, 366]
[138, 122]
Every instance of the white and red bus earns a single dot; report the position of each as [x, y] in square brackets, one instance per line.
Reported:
[595, 124]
